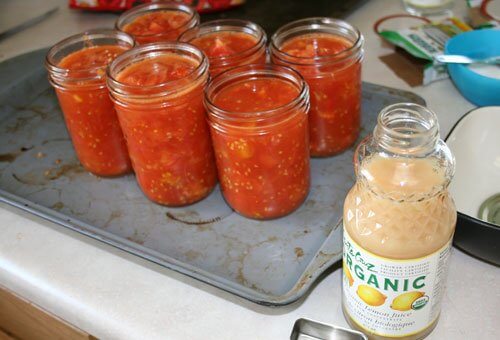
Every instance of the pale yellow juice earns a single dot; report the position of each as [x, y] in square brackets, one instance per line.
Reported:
[401, 210]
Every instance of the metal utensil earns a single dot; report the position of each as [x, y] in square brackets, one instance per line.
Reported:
[305, 329]
[461, 59]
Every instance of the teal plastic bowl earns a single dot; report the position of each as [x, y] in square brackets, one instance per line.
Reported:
[478, 89]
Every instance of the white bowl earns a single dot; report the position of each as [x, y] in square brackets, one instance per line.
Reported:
[475, 142]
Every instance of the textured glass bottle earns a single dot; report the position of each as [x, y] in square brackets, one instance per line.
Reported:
[399, 220]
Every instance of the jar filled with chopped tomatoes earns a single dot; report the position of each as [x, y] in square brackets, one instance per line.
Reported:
[258, 122]
[158, 94]
[328, 54]
[77, 70]
[229, 43]
[158, 21]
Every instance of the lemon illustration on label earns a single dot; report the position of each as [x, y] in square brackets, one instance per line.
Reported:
[370, 295]
[348, 274]
[405, 301]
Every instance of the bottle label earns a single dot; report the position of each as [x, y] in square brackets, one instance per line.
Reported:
[393, 298]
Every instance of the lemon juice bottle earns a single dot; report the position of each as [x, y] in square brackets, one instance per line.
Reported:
[399, 221]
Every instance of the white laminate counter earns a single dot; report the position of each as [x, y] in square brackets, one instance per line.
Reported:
[111, 294]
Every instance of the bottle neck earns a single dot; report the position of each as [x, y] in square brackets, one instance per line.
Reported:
[407, 129]
[405, 160]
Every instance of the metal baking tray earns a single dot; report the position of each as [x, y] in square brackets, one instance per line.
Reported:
[305, 329]
[268, 262]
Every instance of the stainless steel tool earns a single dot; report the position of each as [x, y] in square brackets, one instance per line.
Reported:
[305, 329]
[462, 59]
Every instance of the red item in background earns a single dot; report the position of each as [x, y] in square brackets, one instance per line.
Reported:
[123, 5]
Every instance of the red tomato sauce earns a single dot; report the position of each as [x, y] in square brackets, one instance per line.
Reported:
[90, 116]
[315, 45]
[90, 57]
[256, 95]
[220, 45]
[262, 176]
[157, 70]
[157, 26]
[169, 144]
[334, 117]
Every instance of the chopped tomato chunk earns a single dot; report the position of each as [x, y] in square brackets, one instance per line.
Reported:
[157, 26]
[158, 70]
[222, 44]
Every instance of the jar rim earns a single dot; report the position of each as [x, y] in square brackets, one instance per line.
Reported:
[255, 70]
[309, 26]
[228, 25]
[150, 51]
[87, 37]
[136, 11]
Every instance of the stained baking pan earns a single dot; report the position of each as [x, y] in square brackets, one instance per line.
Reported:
[272, 262]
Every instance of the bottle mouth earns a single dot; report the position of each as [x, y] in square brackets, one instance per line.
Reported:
[228, 25]
[312, 26]
[259, 122]
[77, 42]
[132, 14]
[407, 128]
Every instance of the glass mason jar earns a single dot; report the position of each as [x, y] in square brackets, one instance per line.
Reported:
[158, 94]
[428, 7]
[158, 21]
[229, 43]
[258, 120]
[399, 221]
[77, 70]
[327, 53]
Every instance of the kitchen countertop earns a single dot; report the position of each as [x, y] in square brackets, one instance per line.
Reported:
[112, 294]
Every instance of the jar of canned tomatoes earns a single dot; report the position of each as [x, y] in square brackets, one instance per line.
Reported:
[77, 70]
[258, 121]
[229, 43]
[158, 21]
[327, 53]
[157, 90]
